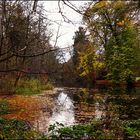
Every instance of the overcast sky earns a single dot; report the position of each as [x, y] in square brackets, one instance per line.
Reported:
[67, 29]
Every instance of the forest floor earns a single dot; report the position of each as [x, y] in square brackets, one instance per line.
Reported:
[28, 108]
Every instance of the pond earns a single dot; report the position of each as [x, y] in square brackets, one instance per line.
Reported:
[74, 106]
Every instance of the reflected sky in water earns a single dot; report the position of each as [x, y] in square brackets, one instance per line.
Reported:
[72, 107]
[63, 111]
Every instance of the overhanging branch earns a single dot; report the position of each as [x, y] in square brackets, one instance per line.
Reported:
[25, 72]
[34, 55]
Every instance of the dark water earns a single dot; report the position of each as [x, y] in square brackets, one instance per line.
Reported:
[73, 106]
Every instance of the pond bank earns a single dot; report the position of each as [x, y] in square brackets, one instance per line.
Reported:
[29, 108]
[109, 83]
[73, 106]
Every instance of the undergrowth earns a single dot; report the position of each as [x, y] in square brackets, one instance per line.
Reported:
[96, 130]
[17, 129]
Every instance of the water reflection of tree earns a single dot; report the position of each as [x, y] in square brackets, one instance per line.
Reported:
[107, 107]
[89, 105]
[126, 106]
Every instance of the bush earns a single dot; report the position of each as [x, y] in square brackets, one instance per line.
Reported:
[96, 130]
[17, 129]
[80, 131]
[131, 128]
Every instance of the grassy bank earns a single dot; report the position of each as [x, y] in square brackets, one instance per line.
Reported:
[30, 87]
[24, 86]
[96, 129]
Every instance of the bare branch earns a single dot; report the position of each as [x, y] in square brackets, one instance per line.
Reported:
[64, 17]
[5, 59]
[35, 55]
[35, 5]
[24, 71]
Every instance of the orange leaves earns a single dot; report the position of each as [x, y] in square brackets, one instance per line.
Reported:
[24, 108]
[124, 22]
[27, 108]
[99, 5]
[118, 5]
[121, 23]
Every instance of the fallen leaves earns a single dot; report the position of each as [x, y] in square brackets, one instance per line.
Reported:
[28, 108]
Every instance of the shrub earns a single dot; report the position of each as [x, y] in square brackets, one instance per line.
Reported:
[17, 129]
[131, 128]
[96, 130]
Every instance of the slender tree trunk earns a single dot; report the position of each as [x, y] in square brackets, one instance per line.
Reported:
[17, 80]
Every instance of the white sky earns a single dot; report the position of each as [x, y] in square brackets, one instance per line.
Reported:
[67, 29]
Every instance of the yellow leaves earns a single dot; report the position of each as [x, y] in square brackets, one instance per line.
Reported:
[130, 24]
[99, 65]
[121, 23]
[88, 62]
[86, 59]
[96, 7]
[125, 22]
[118, 5]
[99, 5]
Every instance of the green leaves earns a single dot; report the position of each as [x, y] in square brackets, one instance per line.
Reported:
[16, 129]
[111, 26]
[131, 128]
[87, 60]
[120, 56]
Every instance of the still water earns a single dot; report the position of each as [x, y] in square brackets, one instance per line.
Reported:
[73, 106]
[63, 111]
